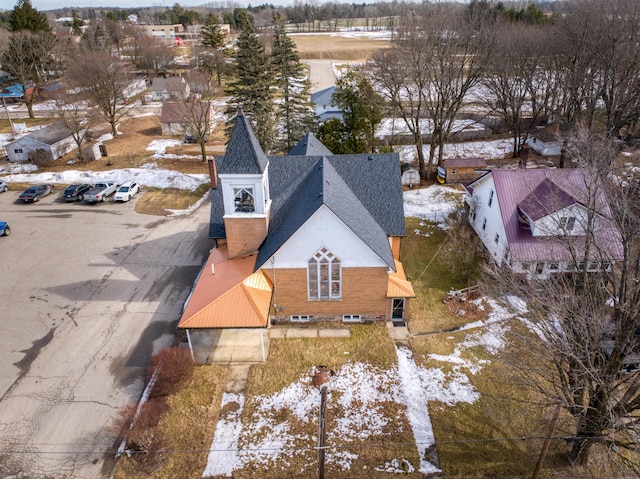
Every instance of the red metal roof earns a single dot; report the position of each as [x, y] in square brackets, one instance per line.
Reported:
[228, 294]
[513, 186]
[465, 162]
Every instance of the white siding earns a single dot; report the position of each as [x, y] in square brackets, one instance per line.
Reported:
[324, 229]
[550, 225]
[482, 211]
[27, 145]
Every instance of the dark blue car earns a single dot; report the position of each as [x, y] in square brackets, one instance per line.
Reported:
[4, 228]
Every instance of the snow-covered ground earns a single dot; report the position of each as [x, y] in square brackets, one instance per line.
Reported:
[487, 149]
[357, 392]
[150, 174]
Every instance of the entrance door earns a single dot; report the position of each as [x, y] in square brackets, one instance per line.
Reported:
[397, 312]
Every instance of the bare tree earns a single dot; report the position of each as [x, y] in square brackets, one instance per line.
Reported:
[77, 114]
[103, 78]
[588, 351]
[28, 57]
[438, 57]
[197, 114]
[516, 80]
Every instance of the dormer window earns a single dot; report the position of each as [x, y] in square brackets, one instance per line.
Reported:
[244, 201]
[567, 223]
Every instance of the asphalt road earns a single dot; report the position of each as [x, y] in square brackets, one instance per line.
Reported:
[87, 294]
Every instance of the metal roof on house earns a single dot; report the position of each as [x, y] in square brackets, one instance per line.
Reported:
[309, 145]
[398, 286]
[465, 162]
[323, 97]
[545, 199]
[51, 134]
[513, 186]
[228, 294]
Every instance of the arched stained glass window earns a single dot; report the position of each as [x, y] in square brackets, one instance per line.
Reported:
[324, 275]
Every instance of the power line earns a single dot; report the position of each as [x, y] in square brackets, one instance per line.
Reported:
[308, 448]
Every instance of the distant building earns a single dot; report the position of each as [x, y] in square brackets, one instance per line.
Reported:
[457, 170]
[163, 31]
[326, 109]
[50, 143]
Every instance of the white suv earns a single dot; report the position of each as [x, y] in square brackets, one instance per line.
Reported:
[126, 191]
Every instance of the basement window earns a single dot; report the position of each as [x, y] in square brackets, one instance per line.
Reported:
[351, 318]
[299, 318]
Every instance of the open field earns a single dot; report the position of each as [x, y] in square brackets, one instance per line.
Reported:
[334, 47]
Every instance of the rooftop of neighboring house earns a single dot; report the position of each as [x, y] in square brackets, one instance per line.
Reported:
[465, 163]
[168, 84]
[50, 134]
[174, 111]
[542, 192]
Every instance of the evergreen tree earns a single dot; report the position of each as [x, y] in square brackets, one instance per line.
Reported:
[252, 86]
[25, 17]
[295, 112]
[211, 34]
[362, 111]
[76, 23]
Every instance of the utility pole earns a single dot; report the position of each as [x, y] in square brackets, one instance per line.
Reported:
[546, 444]
[13, 129]
[320, 380]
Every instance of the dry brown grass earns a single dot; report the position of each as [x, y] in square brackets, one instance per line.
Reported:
[186, 429]
[293, 359]
[158, 202]
[313, 47]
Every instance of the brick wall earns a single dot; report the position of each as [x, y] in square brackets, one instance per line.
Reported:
[245, 235]
[364, 292]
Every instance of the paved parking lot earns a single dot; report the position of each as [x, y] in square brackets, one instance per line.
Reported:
[87, 294]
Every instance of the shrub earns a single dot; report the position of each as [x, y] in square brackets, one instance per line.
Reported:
[176, 368]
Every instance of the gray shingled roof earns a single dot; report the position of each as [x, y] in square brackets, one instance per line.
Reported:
[244, 154]
[364, 191]
[321, 185]
[51, 134]
[309, 145]
[169, 84]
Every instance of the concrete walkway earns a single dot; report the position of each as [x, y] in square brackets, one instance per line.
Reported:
[308, 332]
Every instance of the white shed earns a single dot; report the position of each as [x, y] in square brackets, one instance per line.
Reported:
[51, 143]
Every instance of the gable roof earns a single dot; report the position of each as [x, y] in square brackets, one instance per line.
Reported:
[323, 185]
[175, 111]
[513, 186]
[228, 294]
[51, 134]
[309, 145]
[323, 97]
[169, 84]
[363, 190]
[244, 154]
[544, 199]
[465, 162]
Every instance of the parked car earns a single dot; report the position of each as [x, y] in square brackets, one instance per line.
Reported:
[126, 191]
[100, 192]
[194, 138]
[76, 192]
[35, 193]
[4, 186]
[4, 228]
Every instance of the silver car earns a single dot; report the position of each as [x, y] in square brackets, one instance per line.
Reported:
[4, 186]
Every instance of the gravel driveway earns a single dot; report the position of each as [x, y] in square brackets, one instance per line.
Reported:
[88, 293]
